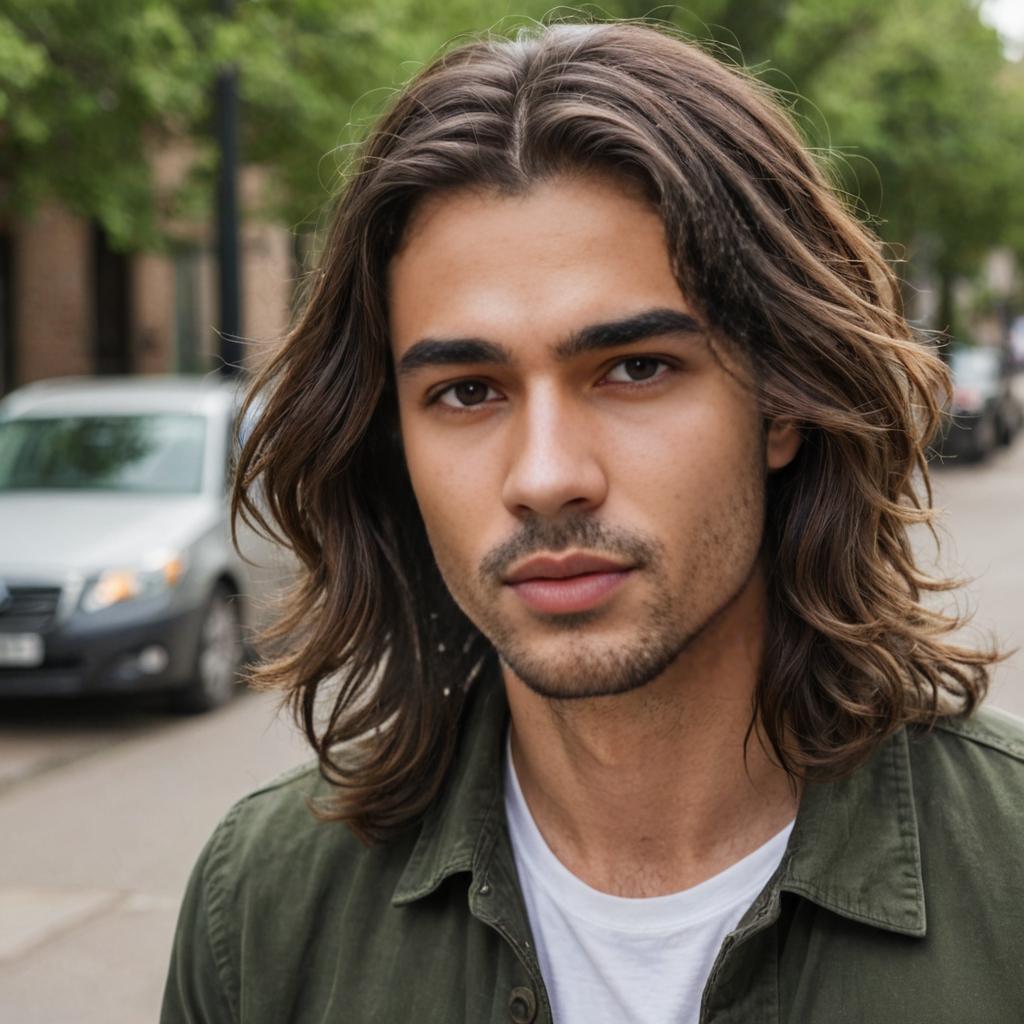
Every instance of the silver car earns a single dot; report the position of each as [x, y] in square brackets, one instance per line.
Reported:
[117, 572]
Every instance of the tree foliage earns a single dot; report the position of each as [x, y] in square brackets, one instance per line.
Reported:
[913, 103]
[913, 95]
[85, 88]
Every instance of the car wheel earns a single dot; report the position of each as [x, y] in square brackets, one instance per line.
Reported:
[219, 656]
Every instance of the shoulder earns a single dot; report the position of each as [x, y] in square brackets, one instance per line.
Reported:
[274, 889]
[273, 821]
[983, 750]
[278, 812]
[969, 757]
[991, 734]
[968, 784]
[273, 840]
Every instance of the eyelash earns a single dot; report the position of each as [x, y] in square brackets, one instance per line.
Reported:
[435, 397]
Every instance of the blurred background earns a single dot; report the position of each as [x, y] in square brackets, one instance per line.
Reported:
[114, 117]
[165, 168]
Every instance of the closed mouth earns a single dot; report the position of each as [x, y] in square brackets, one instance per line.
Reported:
[562, 567]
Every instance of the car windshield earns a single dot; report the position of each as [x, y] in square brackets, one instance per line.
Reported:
[151, 454]
[975, 365]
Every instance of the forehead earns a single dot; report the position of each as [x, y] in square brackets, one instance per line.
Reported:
[570, 251]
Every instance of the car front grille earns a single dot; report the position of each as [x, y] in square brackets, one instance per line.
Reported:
[29, 609]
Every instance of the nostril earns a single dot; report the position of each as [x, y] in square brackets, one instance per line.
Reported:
[550, 490]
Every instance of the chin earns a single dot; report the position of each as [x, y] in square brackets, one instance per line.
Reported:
[588, 673]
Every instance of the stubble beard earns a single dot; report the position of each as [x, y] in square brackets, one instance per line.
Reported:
[587, 666]
[593, 669]
[603, 670]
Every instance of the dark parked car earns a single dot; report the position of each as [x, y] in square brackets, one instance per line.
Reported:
[985, 413]
[117, 572]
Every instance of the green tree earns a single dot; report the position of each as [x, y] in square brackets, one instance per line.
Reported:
[912, 103]
[89, 88]
[911, 100]
[85, 88]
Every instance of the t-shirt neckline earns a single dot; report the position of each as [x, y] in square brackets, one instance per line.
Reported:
[737, 884]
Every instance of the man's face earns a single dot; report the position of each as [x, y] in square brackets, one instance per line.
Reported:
[591, 477]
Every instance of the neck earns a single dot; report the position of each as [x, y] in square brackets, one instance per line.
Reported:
[656, 790]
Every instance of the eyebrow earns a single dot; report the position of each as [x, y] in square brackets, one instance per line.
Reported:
[625, 331]
[649, 324]
[451, 352]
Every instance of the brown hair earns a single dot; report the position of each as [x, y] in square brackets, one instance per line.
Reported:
[377, 658]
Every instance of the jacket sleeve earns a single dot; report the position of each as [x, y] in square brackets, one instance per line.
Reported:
[199, 987]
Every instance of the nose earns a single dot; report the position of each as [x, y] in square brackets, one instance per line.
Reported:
[554, 465]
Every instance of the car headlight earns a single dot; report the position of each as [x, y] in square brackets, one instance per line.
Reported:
[115, 586]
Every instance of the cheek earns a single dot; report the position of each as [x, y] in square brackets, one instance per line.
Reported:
[451, 494]
[696, 454]
[697, 481]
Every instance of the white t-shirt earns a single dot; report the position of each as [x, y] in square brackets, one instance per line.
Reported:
[613, 960]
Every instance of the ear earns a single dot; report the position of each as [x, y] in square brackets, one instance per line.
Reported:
[782, 442]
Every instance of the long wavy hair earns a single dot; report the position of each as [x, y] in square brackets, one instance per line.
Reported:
[372, 653]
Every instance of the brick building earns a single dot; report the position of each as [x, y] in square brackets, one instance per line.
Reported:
[70, 304]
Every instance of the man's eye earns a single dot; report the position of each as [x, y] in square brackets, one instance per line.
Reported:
[635, 369]
[466, 393]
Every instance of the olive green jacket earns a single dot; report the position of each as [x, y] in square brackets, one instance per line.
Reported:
[900, 899]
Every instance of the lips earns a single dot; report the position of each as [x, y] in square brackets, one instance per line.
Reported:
[569, 584]
[552, 567]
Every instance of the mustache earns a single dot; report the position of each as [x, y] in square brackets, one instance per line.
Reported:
[537, 535]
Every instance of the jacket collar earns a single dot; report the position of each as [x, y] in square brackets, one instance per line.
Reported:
[854, 849]
[458, 829]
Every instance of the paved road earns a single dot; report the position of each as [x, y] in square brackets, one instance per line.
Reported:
[96, 847]
[103, 810]
[982, 531]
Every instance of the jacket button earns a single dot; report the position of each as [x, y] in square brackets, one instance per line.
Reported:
[522, 1005]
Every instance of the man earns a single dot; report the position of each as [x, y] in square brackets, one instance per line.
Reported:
[598, 442]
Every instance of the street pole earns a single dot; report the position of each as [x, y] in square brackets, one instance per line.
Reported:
[228, 249]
